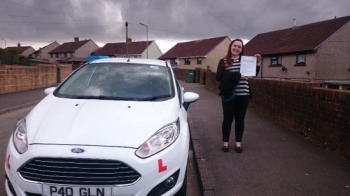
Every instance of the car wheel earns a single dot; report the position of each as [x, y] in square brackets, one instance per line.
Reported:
[183, 189]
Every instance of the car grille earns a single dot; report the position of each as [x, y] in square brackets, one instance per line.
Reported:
[78, 171]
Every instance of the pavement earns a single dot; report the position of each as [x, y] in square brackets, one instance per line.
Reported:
[275, 161]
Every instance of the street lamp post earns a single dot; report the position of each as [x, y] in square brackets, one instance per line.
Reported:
[4, 41]
[146, 35]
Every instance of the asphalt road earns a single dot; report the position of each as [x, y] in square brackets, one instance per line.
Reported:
[23, 97]
[9, 120]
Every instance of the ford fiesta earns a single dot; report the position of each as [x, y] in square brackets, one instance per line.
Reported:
[114, 127]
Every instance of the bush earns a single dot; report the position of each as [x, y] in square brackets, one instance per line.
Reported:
[11, 57]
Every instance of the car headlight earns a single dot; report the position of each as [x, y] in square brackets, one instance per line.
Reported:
[163, 138]
[20, 137]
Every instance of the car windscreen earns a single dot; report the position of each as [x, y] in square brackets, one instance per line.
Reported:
[118, 81]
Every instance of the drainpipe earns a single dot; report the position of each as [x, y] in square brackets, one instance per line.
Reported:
[261, 67]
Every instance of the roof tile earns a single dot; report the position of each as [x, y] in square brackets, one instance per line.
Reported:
[301, 38]
[20, 50]
[69, 47]
[197, 48]
[111, 49]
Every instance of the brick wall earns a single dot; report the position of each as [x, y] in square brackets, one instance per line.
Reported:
[65, 70]
[20, 78]
[322, 115]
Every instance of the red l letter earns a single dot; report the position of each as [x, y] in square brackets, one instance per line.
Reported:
[161, 168]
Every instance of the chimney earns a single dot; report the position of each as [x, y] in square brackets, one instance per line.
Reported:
[293, 23]
[19, 45]
[76, 39]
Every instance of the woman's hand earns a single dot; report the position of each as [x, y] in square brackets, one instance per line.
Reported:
[258, 59]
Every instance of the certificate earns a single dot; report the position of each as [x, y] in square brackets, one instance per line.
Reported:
[248, 65]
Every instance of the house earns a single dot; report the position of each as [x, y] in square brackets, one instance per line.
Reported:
[43, 53]
[199, 53]
[138, 49]
[22, 50]
[73, 52]
[314, 52]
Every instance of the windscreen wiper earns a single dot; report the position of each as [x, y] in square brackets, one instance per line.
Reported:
[101, 97]
[154, 97]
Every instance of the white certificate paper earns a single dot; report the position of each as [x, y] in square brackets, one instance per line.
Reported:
[248, 65]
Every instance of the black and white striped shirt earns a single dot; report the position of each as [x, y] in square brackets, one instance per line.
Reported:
[242, 88]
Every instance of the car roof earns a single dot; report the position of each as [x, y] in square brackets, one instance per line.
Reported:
[131, 60]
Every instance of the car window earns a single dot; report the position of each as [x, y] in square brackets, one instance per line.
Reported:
[118, 81]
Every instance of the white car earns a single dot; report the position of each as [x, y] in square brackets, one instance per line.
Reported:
[114, 127]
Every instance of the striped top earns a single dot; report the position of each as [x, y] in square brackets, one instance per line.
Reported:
[242, 88]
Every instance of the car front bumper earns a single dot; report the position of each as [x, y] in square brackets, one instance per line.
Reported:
[153, 170]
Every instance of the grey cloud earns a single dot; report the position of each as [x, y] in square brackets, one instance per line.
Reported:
[103, 21]
[235, 18]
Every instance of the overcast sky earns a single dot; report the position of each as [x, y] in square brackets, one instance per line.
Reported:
[40, 22]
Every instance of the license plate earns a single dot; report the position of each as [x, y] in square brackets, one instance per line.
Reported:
[58, 190]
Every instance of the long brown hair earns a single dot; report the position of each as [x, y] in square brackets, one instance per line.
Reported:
[229, 53]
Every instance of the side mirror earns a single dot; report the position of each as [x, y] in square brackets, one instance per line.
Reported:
[189, 98]
[49, 90]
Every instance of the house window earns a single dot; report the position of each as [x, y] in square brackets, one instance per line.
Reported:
[65, 54]
[135, 56]
[51, 55]
[71, 54]
[199, 61]
[276, 60]
[57, 55]
[301, 58]
[187, 61]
